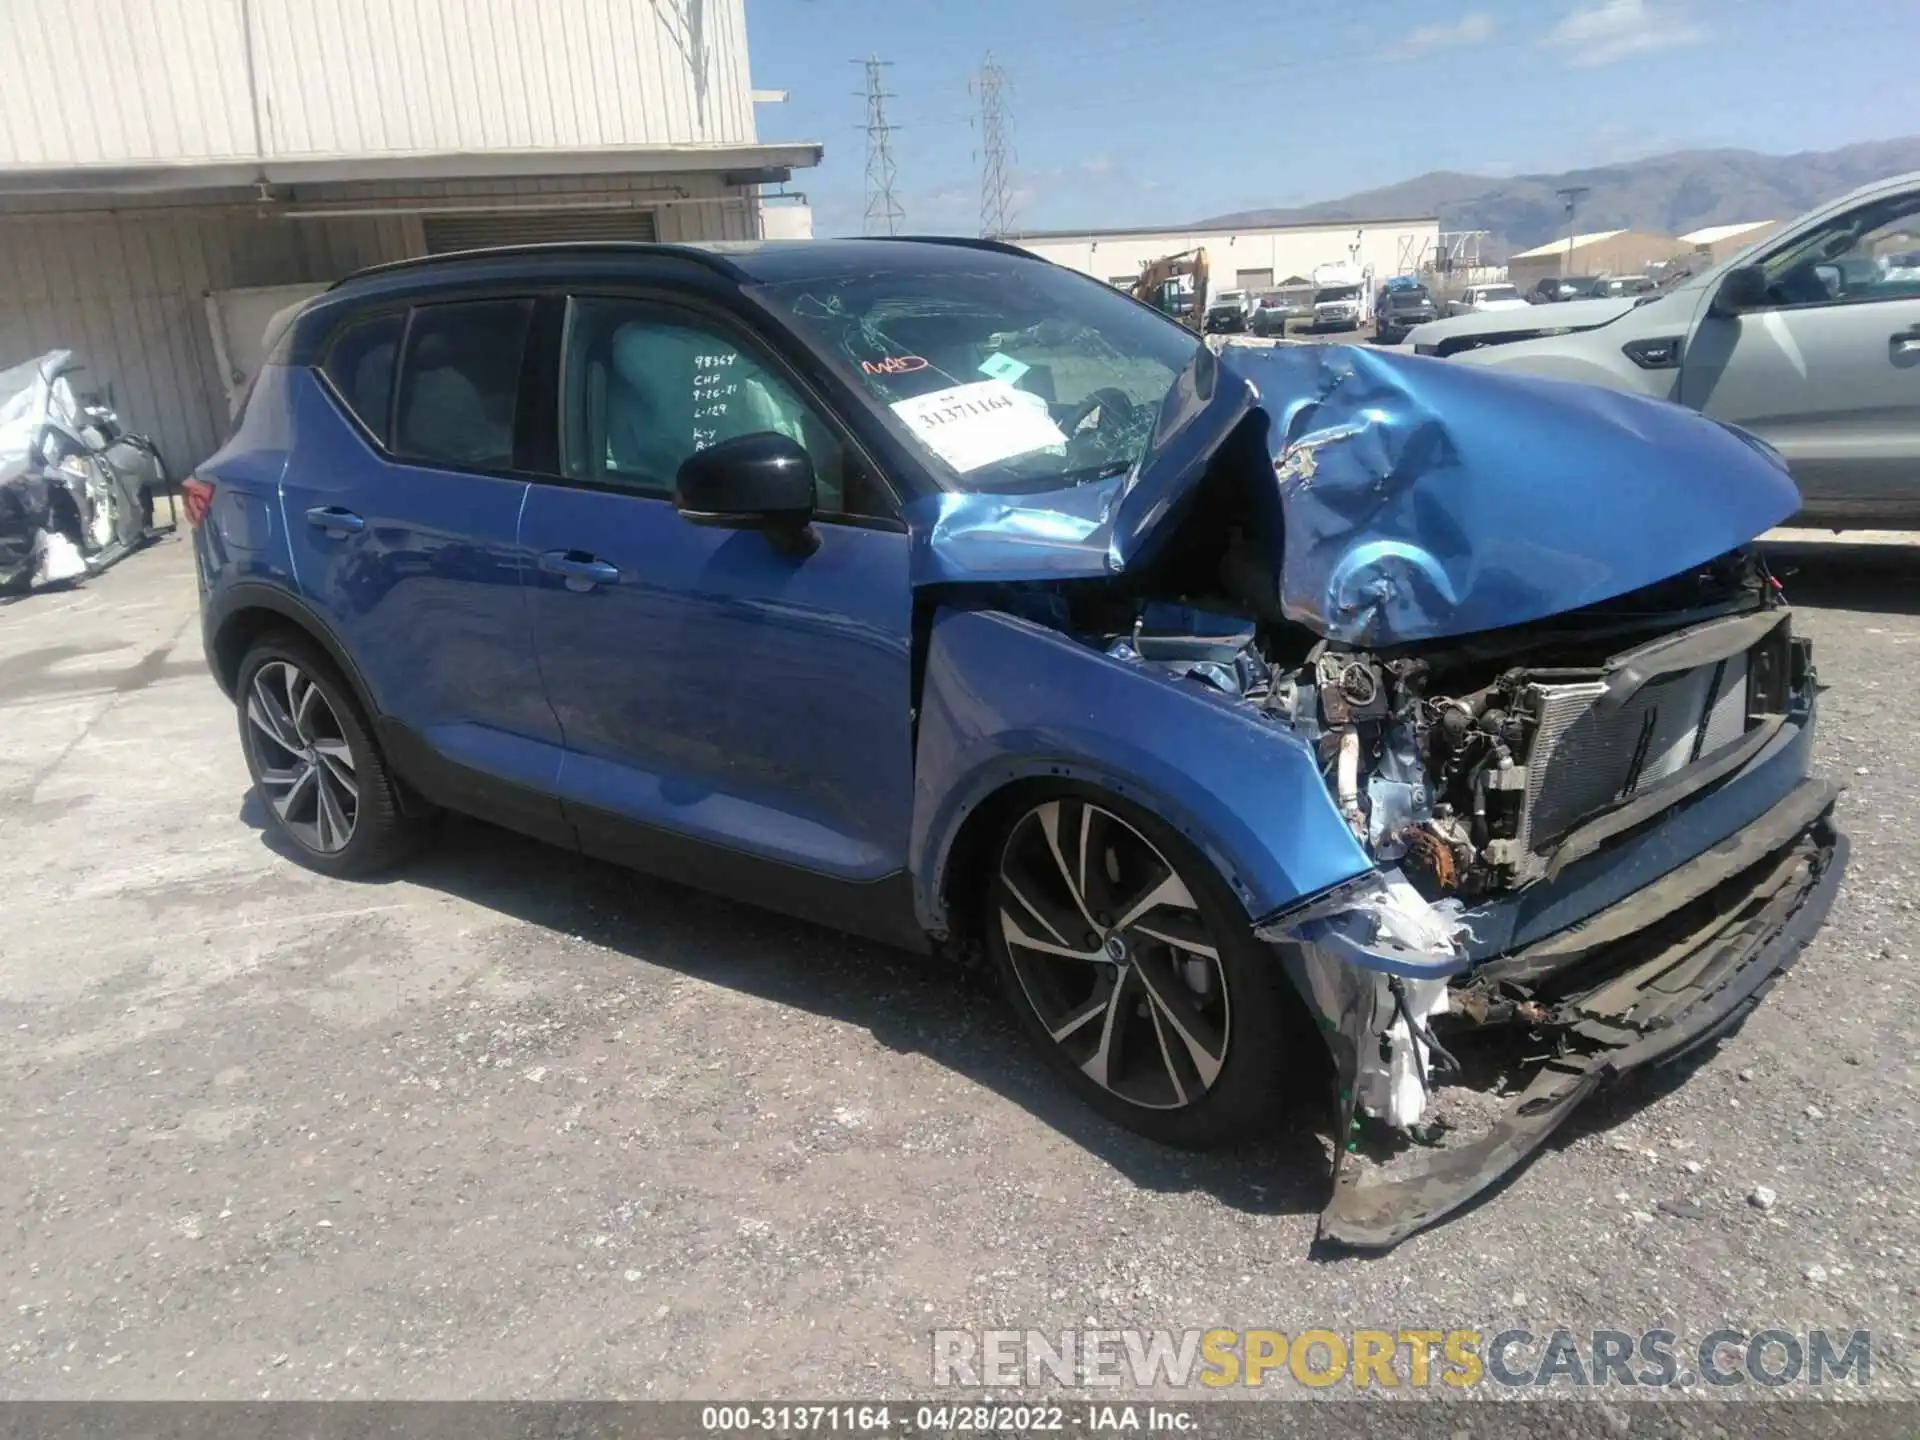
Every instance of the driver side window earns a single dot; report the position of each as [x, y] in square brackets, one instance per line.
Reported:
[1868, 254]
[647, 388]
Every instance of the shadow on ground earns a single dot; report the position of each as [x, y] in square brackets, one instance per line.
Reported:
[910, 1003]
[915, 1005]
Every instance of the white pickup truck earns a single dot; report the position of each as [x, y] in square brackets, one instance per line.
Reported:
[1483, 299]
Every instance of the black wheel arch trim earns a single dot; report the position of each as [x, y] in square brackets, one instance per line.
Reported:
[224, 609]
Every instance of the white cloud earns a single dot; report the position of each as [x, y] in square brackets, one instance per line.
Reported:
[1616, 29]
[1473, 28]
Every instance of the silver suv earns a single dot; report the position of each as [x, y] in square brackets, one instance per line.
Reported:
[1809, 339]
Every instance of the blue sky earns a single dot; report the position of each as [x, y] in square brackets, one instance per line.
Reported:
[1155, 111]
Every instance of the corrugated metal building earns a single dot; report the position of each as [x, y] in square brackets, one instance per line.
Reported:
[152, 155]
[1720, 242]
[1600, 252]
[1257, 258]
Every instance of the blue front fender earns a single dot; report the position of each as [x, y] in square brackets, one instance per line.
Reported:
[1006, 700]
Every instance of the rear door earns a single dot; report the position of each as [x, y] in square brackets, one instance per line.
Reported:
[723, 698]
[402, 503]
[1829, 370]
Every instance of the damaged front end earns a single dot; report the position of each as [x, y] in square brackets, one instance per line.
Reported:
[1596, 836]
[1553, 702]
[1594, 844]
[1590, 861]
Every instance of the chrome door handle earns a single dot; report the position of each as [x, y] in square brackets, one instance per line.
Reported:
[578, 566]
[1905, 342]
[335, 521]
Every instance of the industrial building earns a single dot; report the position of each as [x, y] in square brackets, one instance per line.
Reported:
[169, 180]
[1263, 257]
[1601, 252]
[1721, 242]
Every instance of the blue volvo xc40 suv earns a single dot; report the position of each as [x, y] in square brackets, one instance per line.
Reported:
[1237, 709]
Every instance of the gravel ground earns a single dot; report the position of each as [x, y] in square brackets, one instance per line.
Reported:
[519, 1124]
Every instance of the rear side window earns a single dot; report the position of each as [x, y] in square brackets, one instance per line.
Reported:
[460, 383]
[360, 365]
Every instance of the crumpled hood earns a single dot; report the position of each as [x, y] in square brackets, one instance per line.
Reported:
[1426, 499]
[1083, 531]
[1421, 498]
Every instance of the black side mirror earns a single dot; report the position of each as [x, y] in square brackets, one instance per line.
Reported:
[1742, 288]
[762, 481]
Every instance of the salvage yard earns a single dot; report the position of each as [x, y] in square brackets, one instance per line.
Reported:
[517, 1123]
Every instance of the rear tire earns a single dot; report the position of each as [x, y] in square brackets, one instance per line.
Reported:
[1164, 1014]
[321, 778]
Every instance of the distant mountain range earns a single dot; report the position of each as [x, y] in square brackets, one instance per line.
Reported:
[1666, 194]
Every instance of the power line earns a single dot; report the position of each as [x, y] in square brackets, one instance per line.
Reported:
[1572, 194]
[884, 214]
[996, 190]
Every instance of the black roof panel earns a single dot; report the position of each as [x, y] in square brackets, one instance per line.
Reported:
[745, 261]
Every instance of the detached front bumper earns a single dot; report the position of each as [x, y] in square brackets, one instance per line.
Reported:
[1659, 973]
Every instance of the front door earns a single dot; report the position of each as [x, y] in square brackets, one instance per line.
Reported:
[729, 705]
[1829, 370]
[402, 509]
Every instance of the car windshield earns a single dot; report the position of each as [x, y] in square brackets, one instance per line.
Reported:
[1499, 292]
[1409, 298]
[1012, 378]
[1336, 292]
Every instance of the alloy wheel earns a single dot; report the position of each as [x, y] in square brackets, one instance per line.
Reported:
[1113, 954]
[301, 759]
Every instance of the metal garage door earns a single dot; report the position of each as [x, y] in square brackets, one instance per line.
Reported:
[473, 232]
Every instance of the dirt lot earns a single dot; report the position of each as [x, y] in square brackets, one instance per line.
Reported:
[520, 1124]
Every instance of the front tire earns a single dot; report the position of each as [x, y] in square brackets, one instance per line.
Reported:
[321, 778]
[1135, 972]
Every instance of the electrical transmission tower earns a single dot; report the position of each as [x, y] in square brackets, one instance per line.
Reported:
[996, 186]
[883, 211]
[1573, 195]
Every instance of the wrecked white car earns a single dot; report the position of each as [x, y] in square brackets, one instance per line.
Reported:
[76, 492]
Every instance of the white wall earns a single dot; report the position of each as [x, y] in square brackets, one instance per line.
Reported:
[786, 220]
[120, 82]
[1389, 248]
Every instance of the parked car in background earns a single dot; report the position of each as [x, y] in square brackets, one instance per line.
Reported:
[1552, 289]
[1806, 340]
[1483, 299]
[1399, 308]
[76, 492]
[1272, 311]
[946, 596]
[1229, 312]
[1610, 287]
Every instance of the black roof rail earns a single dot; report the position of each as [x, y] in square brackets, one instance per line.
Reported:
[710, 259]
[965, 242]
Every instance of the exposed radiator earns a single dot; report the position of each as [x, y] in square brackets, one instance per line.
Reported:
[1582, 762]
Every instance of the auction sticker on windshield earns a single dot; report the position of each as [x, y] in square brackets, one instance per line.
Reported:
[969, 426]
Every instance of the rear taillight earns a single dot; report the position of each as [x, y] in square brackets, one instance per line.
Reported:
[196, 498]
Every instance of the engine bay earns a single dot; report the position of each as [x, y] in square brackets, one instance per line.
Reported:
[1433, 754]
